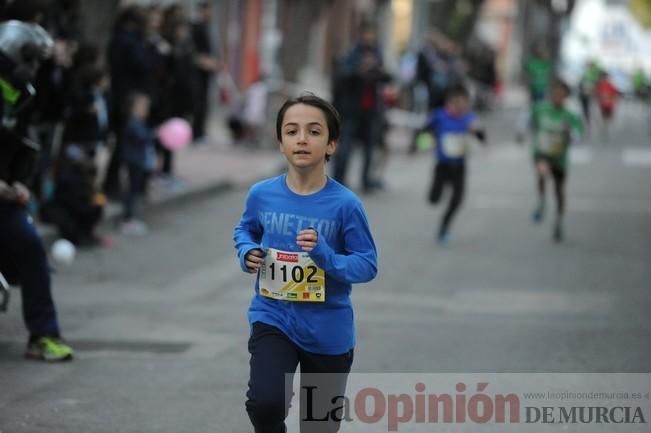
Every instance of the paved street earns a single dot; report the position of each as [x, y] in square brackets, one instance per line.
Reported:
[160, 327]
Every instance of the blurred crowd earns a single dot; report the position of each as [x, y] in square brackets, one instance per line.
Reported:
[363, 91]
[97, 109]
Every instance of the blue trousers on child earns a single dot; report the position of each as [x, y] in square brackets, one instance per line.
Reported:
[23, 261]
[273, 362]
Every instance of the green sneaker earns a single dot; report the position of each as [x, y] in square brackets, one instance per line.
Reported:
[49, 349]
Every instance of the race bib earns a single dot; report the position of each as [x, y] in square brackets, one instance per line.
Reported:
[456, 145]
[291, 276]
[551, 143]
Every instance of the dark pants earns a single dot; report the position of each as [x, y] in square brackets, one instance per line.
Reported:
[453, 175]
[137, 177]
[367, 127]
[585, 107]
[200, 109]
[273, 360]
[559, 174]
[23, 261]
[112, 183]
[112, 186]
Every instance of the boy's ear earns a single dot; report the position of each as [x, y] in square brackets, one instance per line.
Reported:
[332, 146]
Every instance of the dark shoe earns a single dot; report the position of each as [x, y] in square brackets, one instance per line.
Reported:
[538, 214]
[557, 235]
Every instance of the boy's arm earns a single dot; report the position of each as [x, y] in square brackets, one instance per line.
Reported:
[248, 233]
[575, 128]
[359, 263]
[430, 123]
[477, 130]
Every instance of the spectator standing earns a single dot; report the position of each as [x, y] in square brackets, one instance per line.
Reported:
[22, 256]
[130, 66]
[139, 156]
[76, 206]
[175, 94]
[207, 66]
[357, 96]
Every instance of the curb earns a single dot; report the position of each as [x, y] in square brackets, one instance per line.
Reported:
[113, 211]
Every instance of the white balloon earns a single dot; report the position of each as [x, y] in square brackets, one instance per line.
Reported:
[63, 251]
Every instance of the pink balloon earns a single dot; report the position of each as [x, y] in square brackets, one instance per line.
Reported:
[175, 133]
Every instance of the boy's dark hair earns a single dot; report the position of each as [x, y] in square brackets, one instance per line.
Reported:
[332, 116]
[562, 84]
[457, 90]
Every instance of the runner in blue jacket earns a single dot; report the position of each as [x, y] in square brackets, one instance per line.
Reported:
[308, 239]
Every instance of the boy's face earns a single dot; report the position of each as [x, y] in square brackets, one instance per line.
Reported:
[304, 136]
[558, 95]
[141, 107]
[457, 105]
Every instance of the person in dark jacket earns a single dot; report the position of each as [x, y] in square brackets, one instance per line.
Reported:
[174, 97]
[23, 259]
[76, 206]
[357, 96]
[131, 65]
[207, 66]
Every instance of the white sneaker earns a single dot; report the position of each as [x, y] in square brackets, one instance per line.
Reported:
[134, 228]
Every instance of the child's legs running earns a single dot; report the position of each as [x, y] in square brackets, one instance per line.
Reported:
[542, 172]
[541, 165]
[558, 174]
[457, 179]
[438, 182]
[323, 383]
[273, 356]
[606, 120]
[585, 107]
[606, 113]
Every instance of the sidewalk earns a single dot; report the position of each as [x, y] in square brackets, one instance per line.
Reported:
[203, 169]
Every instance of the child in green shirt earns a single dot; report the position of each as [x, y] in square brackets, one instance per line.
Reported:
[553, 126]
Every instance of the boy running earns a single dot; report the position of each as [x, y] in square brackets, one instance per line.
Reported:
[308, 239]
[607, 97]
[553, 125]
[452, 126]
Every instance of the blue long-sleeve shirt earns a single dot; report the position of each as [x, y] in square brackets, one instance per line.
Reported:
[345, 250]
